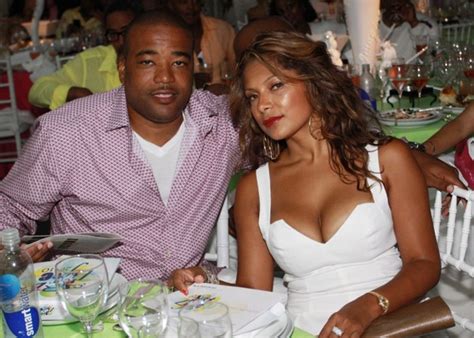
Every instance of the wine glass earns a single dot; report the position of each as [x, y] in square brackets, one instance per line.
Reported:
[398, 74]
[82, 284]
[226, 72]
[212, 317]
[382, 76]
[143, 311]
[419, 75]
[188, 328]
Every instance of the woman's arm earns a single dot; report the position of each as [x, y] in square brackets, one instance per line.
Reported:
[408, 199]
[452, 133]
[255, 265]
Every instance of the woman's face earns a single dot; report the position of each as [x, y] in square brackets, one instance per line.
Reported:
[279, 107]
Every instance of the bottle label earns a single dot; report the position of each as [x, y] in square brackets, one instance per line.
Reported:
[25, 322]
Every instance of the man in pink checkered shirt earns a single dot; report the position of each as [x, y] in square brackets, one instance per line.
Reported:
[149, 161]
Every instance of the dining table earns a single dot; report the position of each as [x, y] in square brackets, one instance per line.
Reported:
[418, 132]
[75, 330]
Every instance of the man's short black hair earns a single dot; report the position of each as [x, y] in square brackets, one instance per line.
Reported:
[162, 16]
[124, 6]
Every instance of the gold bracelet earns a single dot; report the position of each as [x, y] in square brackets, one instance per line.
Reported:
[383, 302]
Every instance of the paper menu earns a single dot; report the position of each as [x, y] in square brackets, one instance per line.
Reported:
[245, 305]
[96, 242]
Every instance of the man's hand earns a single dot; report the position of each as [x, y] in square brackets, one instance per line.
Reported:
[438, 174]
[38, 251]
[181, 279]
[76, 93]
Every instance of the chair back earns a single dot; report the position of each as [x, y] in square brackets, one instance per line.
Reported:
[455, 239]
[459, 32]
[9, 118]
[218, 248]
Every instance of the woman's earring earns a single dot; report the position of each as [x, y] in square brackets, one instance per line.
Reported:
[271, 148]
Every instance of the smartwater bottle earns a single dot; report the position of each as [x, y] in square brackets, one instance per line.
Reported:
[18, 296]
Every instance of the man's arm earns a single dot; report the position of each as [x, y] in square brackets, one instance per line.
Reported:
[53, 90]
[437, 174]
[32, 187]
[452, 133]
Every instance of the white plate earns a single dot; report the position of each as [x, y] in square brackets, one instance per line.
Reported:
[453, 110]
[61, 316]
[433, 115]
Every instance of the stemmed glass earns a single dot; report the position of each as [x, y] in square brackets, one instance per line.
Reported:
[398, 74]
[143, 311]
[419, 75]
[213, 318]
[82, 284]
[382, 75]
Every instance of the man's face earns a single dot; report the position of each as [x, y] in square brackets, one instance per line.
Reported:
[157, 71]
[115, 25]
[189, 10]
[394, 12]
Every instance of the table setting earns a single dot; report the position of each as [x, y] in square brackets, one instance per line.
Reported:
[85, 295]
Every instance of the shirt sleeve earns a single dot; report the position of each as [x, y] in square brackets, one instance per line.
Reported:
[426, 26]
[32, 187]
[51, 90]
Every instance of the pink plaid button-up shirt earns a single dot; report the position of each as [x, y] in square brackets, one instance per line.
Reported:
[83, 167]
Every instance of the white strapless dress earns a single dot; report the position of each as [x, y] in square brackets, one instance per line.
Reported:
[323, 277]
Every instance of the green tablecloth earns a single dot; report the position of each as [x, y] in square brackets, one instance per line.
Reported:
[418, 133]
[415, 134]
[74, 331]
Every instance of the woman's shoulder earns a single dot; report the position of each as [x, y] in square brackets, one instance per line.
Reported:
[395, 154]
[248, 181]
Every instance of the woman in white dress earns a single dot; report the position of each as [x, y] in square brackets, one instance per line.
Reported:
[341, 208]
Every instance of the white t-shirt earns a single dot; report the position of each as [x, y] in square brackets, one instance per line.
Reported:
[163, 160]
[404, 36]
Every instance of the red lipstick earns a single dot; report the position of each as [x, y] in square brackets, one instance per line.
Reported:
[271, 120]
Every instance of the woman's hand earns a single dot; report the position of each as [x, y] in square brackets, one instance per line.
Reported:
[352, 319]
[181, 279]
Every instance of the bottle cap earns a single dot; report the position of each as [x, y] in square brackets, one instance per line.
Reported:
[10, 236]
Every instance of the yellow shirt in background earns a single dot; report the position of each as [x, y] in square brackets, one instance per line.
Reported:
[94, 69]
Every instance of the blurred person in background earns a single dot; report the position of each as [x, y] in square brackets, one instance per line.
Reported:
[259, 11]
[297, 12]
[86, 17]
[91, 71]
[213, 38]
[406, 28]
[23, 10]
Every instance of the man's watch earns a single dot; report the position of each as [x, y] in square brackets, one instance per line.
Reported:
[384, 303]
[417, 146]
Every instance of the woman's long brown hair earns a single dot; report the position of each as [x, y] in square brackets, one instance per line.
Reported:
[347, 123]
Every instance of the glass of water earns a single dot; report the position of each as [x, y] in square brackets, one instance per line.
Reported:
[143, 310]
[82, 284]
[212, 318]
